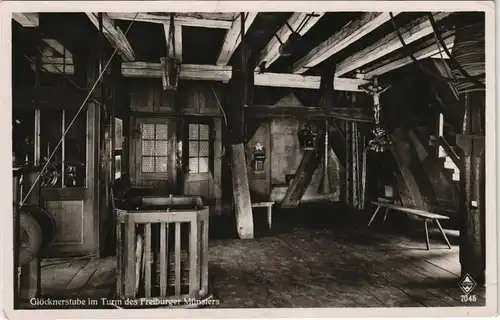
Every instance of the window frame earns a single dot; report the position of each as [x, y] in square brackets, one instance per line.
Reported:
[65, 121]
[211, 136]
[154, 156]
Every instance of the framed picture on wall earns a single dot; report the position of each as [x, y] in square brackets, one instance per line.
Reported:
[118, 166]
[118, 134]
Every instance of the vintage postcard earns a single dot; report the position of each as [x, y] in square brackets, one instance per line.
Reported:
[182, 159]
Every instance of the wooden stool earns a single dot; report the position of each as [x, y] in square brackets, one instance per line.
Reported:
[269, 206]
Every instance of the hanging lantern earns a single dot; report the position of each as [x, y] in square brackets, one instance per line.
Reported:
[258, 157]
[170, 65]
[388, 192]
[307, 138]
[171, 69]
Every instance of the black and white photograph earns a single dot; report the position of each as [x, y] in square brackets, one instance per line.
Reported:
[302, 156]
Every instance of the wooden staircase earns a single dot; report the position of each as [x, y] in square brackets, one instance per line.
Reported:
[426, 179]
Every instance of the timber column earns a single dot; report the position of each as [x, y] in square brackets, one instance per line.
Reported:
[241, 95]
[326, 99]
[472, 188]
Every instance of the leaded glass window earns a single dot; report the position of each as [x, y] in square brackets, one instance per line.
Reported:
[199, 148]
[154, 147]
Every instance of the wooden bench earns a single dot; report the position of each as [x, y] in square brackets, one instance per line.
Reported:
[419, 213]
[269, 206]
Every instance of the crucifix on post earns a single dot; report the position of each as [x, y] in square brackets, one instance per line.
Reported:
[381, 140]
[170, 65]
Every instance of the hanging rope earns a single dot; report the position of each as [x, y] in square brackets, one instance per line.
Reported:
[409, 53]
[219, 104]
[463, 36]
[74, 118]
[471, 80]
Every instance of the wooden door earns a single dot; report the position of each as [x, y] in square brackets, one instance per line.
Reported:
[198, 155]
[68, 183]
[155, 153]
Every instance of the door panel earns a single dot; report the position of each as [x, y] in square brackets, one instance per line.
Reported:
[70, 231]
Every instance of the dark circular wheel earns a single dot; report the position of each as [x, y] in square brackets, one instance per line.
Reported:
[44, 219]
[30, 238]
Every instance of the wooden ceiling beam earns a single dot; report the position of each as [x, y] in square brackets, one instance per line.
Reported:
[56, 65]
[212, 73]
[26, 19]
[304, 20]
[188, 71]
[114, 35]
[415, 30]
[427, 49]
[350, 33]
[58, 47]
[189, 21]
[271, 112]
[223, 74]
[233, 37]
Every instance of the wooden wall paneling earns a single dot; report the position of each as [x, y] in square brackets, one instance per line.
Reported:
[168, 101]
[211, 105]
[141, 98]
[190, 98]
[217, 171]
[150, 92]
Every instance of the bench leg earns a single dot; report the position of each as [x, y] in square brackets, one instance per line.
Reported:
[374, 214]
[385, 216]
[269, 216]
[427, 235]
[442, 232]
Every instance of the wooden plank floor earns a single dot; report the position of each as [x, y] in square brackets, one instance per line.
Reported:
[328, 266]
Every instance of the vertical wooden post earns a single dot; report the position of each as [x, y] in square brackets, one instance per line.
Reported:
[472, 210]
[326, 92]
[354, 161]
[242, 82]
[351, 166]
[16, 198]
[87, 64]
[30, 179]
[30, 281]
[348, 162]
[325, 186]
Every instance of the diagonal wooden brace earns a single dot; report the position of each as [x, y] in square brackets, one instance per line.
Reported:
[471, 144]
